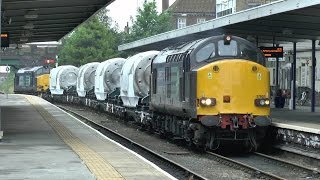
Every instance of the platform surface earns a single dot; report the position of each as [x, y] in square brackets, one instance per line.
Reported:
[43, 142]
[301, 119]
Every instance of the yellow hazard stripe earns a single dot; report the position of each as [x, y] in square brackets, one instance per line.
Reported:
[96, 164]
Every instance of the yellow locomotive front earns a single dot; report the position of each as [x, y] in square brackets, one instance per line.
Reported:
[43, 83]
[233, 92]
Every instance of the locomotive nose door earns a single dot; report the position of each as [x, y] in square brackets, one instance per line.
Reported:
[183, 77]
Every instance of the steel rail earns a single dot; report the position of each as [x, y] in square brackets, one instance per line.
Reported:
[287, 163]
[249, 169]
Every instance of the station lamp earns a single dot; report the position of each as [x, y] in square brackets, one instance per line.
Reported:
[31, 14]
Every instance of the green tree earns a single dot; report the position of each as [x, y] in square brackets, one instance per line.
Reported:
[93, 41]
[148, 22]
[103, 17]
[7, 85]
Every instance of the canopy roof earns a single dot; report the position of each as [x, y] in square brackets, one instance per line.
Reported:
[45, 20]
[278, 22]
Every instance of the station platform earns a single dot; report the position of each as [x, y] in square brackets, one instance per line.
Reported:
[300, 119]
[43, 142]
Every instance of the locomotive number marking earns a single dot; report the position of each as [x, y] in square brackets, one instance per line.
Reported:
[259, 76]
[261, 96]
[209, 75]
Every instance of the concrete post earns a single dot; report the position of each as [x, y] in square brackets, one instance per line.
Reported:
[294, 76]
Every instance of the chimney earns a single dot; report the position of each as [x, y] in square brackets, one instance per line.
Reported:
[126, 28]
[165, 5]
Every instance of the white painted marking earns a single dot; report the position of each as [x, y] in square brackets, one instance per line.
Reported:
[297, 128]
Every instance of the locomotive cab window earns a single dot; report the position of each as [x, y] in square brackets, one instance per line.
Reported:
[251, 54]
[228, 49]
[25, 80]
[46, 70]
[208, 51]
[39, 72]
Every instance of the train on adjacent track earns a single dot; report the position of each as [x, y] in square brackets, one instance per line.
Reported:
[34, 80]
[206, 92]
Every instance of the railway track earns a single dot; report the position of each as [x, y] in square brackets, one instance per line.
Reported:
[267, 167]
[176, 170]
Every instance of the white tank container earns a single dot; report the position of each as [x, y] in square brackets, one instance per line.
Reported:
[135, 78]
[107, 77]
[63, 77]
[85, 79]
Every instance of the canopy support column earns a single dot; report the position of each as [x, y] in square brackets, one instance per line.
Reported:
[293, 74]
[313, 77]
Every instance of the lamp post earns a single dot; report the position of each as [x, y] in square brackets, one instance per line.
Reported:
[1, 132]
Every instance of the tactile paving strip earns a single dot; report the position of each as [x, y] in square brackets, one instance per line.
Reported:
[96, 164]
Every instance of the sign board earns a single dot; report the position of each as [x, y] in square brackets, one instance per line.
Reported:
[318, 74]
[272, 52]
[4, 39]
[4, 69]
[274, 59]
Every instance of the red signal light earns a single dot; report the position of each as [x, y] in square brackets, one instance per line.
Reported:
[49, 61]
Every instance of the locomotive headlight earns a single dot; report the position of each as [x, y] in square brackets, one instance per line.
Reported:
[208, 101]
[262, 102]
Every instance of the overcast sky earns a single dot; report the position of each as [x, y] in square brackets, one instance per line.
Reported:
[121, 10]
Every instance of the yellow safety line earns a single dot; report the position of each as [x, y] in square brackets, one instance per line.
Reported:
[96, 164]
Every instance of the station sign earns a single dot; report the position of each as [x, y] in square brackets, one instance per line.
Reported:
[4, 39]
[280, 59]
[272, 52]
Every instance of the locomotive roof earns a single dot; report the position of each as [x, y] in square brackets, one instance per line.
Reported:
[29, 69]
[186, 46]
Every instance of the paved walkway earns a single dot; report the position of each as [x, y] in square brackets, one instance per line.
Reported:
[43, 142]
[300, 119]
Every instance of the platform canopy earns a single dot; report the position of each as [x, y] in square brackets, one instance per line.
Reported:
[278, 22]
[45, 20]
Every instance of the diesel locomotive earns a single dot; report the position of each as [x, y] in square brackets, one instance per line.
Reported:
[32, 80]
[211, 90]
[206, 92]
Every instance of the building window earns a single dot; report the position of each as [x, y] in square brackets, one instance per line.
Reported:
[225, 7]
[225, 12]
[181, 22]
[201, 20]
